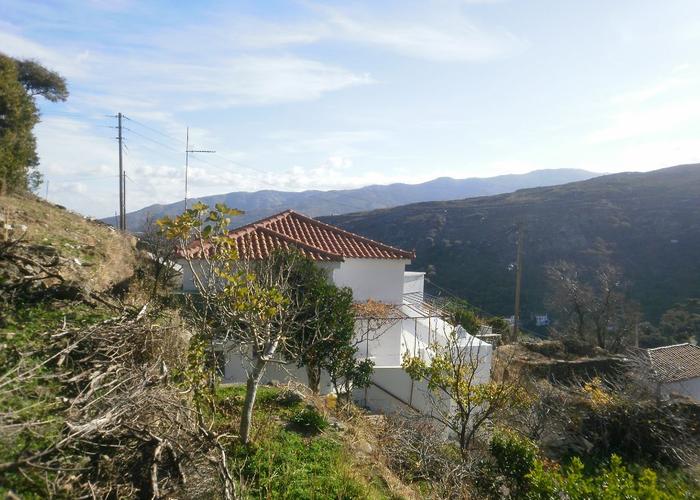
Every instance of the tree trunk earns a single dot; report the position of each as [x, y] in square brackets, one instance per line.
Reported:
[250, 393]
[313, 373]
[463, 443]
[601, 338]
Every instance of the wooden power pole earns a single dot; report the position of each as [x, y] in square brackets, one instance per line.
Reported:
[124, 225]
[122, 210]
[518, 281]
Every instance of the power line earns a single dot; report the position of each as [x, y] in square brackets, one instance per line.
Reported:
[151, 139]
[480, 309]
[153, 129]
[233, 162]
[362, 203]
[142, 145]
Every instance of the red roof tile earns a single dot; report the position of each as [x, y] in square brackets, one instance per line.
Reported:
[316, 240]
[675, 362]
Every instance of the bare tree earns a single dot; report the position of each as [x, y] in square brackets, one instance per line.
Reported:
[162, 253]
[594, 309]
[463, 399]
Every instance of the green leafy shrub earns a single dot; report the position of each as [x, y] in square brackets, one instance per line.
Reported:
[516, 471]
[310, 420]
[515, 455]
[612, 482]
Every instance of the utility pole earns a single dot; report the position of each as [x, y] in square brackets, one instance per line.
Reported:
[518, 281]
[124, 200]
[122, 211]
[187, 160]
[47, 190]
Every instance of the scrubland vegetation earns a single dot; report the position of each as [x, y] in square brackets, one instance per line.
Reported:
[108, 389]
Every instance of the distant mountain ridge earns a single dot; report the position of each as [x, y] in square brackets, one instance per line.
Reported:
[314, 203]
[647, 224]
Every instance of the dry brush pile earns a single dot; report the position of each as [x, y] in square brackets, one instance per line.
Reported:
[115, 425]
[95, 406]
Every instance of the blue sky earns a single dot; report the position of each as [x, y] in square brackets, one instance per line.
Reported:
[324, 95]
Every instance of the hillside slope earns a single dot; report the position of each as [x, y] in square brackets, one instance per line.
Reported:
[96, 386]
[260, 204]
[92, 255]
[647, 223]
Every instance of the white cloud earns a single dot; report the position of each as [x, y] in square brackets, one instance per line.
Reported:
[666, 106]
[198, 75]
[249, 80]
[438, 31]
[643, 156]
[70, 147]
[337, 172]
[340, 142]
[152, 74]
[16, 45]
[638, 122]
[439, 35]
[74, 187]
[650, 92]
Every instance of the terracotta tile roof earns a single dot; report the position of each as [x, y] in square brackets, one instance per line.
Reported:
[316, 240]
[675, 362]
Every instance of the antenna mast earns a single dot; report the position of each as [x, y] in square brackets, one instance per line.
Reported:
[187, 161]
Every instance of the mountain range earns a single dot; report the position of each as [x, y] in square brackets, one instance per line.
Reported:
[646, 224]
[260, 204]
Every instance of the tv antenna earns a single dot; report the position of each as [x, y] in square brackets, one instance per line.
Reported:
[187, 160]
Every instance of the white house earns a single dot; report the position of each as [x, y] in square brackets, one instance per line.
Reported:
[676, 369]
[377, 275]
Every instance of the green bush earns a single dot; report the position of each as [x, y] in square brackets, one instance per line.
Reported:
[310, 420]
[517, 472]
[610, 483]
[515, 455]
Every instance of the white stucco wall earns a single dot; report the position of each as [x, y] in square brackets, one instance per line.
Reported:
[237, 367]
[382, 345]
[187, 281]
[394, 391]
[376, 279]
[690, 388]
[413, 282]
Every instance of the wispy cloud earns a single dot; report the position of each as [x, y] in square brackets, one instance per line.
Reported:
[667, 105]
[436, 31]
[339, 142]
[68, 62]
[207, 74]
[438, 34]
[648, 121]
[657, 89]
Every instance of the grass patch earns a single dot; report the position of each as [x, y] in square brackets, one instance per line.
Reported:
[285, 460]
[44, 316]
[286, 465]
[35, 399]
